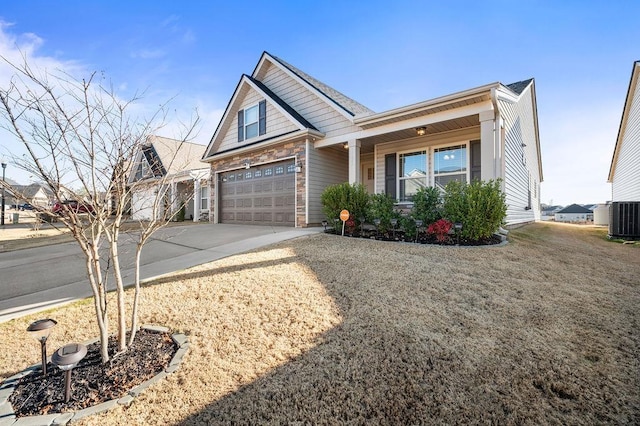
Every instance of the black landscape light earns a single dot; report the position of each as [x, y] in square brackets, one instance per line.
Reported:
[325, 223]
[458, 227]
[40, 330]
[394, 222]
[418, 226]
[66, 358]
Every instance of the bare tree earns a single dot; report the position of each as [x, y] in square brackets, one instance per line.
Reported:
[79, 134]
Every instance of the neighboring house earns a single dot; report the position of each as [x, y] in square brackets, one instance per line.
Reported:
[35, 194]
[624, 173]
[285, 136]
[173, 168]
[549, 212]
[574, 213]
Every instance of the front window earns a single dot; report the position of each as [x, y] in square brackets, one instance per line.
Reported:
[251, 122]
[412, 174]
[449, 163]
[204, 198]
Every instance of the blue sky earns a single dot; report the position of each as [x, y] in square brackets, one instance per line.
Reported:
[380, 53]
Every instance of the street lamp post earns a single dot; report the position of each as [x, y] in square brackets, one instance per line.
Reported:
[4, 166]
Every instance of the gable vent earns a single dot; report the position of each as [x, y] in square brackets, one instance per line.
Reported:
[625, 220]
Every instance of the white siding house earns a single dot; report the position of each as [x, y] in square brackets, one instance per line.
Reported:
[624, 173]
[167, 174]
[271, 167]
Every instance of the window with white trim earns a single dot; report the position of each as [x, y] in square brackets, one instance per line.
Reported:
[412, 174]
[251, 122]
[204, 197]
[450, 163]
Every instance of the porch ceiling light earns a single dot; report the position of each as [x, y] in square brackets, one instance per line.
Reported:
[421, 131]
[345, 145]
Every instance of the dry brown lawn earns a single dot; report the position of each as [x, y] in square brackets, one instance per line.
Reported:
[330, 330]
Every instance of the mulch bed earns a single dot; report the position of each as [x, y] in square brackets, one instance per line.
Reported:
[93, 382]
[422, 238]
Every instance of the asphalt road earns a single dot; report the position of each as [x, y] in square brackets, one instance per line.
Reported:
[39, 278]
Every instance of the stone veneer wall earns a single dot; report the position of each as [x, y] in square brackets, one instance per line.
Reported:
[266, 155]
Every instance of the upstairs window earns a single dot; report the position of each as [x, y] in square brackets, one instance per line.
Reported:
[252, 121]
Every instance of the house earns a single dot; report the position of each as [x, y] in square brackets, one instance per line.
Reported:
[285, 136]
[549, 212]
[172, 168]
[624, 173]
[35, 194]
[574, 213]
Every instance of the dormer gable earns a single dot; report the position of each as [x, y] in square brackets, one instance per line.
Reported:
[255, 114]
[147, 165]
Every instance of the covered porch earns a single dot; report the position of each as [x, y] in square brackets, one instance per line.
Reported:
[458, 137]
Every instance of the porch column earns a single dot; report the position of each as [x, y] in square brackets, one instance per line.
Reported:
[354, 161]
[196, 199]
[488, 154]
[174, 198]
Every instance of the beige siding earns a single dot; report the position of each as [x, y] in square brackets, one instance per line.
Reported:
[521, 172]
[307, 103]
[418, 144]
[327, 166]
[277, 123]
[626, 178]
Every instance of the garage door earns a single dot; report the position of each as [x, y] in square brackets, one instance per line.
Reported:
[262, 195]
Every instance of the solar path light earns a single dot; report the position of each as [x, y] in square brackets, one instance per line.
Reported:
[40, 330]
[458, 227]
[66, 358]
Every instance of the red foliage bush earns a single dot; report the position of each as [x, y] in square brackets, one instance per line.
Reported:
[441, 229]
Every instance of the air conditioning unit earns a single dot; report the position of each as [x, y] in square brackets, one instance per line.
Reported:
[625, 220]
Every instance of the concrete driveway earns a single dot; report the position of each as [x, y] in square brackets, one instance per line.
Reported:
[39, 278]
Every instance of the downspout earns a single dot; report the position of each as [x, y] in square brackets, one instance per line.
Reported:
[498, 140]
[307, 147]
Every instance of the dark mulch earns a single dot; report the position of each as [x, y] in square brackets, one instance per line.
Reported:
[93, 382]
[422, 238]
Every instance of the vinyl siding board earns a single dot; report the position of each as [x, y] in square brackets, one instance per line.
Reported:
[626, 178]
[307, 103]
[521, 171]
[277, 123]
[327, 166]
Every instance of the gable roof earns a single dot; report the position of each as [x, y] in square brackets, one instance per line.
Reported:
[635, 77]
[166, 156]
[349, 105]
[30, 191]
[253, 82]
[303, 121]
[519, 86]
[575, 208]
[176, 156]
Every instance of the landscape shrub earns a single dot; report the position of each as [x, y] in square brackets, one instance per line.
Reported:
[427, 205]
[336, 198]
[479, 206]
[381, 207]
[440, 228]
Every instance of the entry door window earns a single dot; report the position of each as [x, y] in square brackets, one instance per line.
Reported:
[412, 174]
